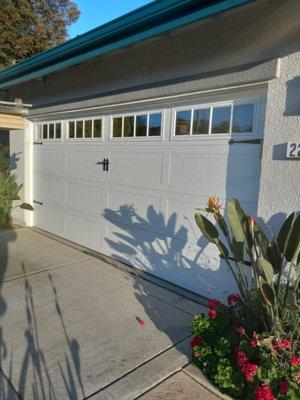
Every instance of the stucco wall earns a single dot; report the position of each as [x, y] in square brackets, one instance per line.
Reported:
[280, 178]
[17, 167]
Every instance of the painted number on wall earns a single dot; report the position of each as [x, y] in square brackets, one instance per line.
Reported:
[293, 150]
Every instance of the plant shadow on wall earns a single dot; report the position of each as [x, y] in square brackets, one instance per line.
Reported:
[27, 373]
[160, 247]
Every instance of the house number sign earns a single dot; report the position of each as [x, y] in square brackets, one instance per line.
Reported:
[293, 150]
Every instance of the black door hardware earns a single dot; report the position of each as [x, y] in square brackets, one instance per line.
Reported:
[37, 202]
[249, 141]
[38, 143]
[105, 164]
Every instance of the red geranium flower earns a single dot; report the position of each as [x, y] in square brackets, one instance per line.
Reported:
[233, 299]
[249, 370]
[213, 303]
[241, 357]
[196, 341]
[263, 392]
[240, 330]
[295, 361]
[283, 344]
[212, 314]
[283, 387]
[254, 342]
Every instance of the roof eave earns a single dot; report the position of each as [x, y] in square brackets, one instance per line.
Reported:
[147, 34]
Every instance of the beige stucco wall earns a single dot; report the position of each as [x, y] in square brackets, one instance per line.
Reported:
[280, 178]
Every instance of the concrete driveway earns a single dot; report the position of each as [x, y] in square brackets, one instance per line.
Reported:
[73, 326]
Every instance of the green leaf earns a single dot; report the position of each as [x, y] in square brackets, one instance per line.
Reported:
[221, 223]
[237, 219]
[26, 206]
[267, 292]
[238, 249]
[267, 270]
[261, 239]
[207, 228]
[223, 249]
[274, 256]
[289, 236]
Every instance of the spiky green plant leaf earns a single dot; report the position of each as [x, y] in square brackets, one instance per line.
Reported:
[267, 293]
[238, 250]
[289, 236]
[208, 229]
[237, 219]
[223, 249]
[267, 270]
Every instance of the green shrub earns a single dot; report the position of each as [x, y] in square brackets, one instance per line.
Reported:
[241, 362]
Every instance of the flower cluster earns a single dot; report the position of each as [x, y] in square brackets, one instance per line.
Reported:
[245, 364]
[282, 344]
[212, 305]
[248, 369]
[233, 299]
[263, 392]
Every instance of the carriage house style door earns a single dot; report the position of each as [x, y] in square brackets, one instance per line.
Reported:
[127, 181]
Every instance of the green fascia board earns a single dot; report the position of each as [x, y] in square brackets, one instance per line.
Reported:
[32, 73]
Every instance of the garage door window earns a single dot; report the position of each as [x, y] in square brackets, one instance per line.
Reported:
[51, 130]
[137, 126]
[85, 129]
[214, 120]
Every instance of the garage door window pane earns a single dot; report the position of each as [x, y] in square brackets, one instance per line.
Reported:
[45, 131]
[51, 131]
[221, 120]
[141, 125]
[243, 118]
[201, 121]
[155, 124]
[97, 128]
[88, 128]
[71, 130]
[79, 129]
[58, 130]
[117, 127]
[128, 126]
[183, 122]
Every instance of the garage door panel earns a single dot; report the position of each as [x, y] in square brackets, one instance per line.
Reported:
[85, 230]
[48, 189]
[243, 172]
[175, 260]
[136, 167]
[131, 206]
[49, 160]
[82, 164]
[199, 172]
[86, 198]
[50, 218]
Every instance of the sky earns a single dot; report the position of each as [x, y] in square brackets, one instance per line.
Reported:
[97, 12]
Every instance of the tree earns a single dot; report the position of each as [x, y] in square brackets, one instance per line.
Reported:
[28, 27]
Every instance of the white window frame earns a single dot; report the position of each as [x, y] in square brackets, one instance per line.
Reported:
[52, 140]
[82, 139]
[135, 138]
[211, 106]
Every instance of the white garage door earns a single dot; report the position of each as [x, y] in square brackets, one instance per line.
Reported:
[163, 164]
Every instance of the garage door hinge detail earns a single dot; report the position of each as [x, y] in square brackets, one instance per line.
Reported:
[38, 143]
[38, 202]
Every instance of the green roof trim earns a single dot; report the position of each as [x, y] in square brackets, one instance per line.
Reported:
[154, 19]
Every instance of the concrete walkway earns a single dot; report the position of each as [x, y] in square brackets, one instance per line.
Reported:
[73, 326]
